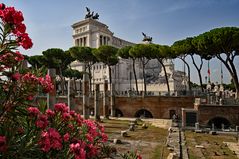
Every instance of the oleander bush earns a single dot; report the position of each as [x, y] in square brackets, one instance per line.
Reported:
[28, 130]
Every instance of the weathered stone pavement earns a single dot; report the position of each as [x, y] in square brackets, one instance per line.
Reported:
[176, 143]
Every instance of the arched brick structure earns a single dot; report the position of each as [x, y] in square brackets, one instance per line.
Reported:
[159, 106]
[208, 112]
[143, 113]
[218, 121]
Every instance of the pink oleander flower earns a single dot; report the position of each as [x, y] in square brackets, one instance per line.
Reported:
[11, 16]
[66, 116]
[33, 111]
[50, 139]
[20, 28]
[44, 142]
[30, 98]
[61, 107]
[30, 78]
[66, 137]
[50, 113]
[78, 151]
[79, 120]
[54, 133]
[8, 59]
[91, 127]
[92, 151]
[55, 138]
[139, 157]
[73, 113]
[46, 84]
[104, 137]
[24, 40]
[3, 143]
[42, 121]
[2, 7]
[71, 127]
[14, 19]
[19, 57]
[16, 76]
[89, 138]
[101, 128]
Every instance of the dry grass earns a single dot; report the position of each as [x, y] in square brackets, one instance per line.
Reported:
[149, 142]
[214, 148]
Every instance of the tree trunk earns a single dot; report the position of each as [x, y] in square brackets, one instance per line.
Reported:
[144, 76]
[232, 70]
[198, 70]
[90, 84]
[135, 77]
[111, 94]
[189, 78]
[165, 73]
[235, 78]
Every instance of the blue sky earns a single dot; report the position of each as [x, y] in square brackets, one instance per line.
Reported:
[49, 22]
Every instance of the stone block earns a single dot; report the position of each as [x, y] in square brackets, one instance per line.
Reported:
[213, 132]
[117, 141]
[172, 156]
[123, 133]
[131, 126]
[200, 146]
[198, 131]
[144, 126]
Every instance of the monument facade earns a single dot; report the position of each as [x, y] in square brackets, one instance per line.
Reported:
[92, 33]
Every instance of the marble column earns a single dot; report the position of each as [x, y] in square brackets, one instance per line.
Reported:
[96, 102]
[112, 100]
[85, 95]
[105, 100]
[70, 95]
[51, 96]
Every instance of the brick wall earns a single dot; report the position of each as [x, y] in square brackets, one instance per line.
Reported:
[208, 112]
[158, 106]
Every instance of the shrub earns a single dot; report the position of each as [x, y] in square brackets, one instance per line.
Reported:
[28, 130]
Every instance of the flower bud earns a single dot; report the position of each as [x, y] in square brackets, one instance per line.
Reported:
[2, 6]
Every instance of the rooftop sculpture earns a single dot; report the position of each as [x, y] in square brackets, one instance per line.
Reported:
[147, 38]
[90, 14]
